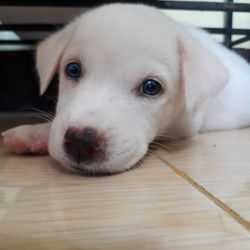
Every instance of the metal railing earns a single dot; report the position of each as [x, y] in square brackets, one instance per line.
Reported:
[228, 7]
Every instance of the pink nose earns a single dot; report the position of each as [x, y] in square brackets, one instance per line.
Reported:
[84, 145]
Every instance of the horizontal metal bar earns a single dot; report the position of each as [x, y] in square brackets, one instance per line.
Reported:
[54, 27]
[228, 31]
[30, 27]
[181, 5]
[208, 6]
[34, 42]
[241, 40]
[18, 42]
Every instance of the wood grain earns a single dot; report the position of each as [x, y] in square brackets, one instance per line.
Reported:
[149, 207]
[220, 162]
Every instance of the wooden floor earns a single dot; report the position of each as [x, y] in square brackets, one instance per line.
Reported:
[196, 195]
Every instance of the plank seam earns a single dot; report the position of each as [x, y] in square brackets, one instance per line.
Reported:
[210, 196]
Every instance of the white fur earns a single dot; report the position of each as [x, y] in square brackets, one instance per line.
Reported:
[206, 86]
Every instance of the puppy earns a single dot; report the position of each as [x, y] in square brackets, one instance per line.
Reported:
[128, 73]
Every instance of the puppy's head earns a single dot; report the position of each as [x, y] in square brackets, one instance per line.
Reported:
[120, 73]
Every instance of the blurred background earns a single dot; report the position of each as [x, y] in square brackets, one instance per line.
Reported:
[24, 23]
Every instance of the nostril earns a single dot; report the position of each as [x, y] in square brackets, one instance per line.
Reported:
[89, 137]
[83, 144]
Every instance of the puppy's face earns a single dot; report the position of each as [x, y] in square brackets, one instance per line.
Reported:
[119, 86]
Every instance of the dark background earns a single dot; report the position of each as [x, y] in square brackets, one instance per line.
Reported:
[19, 84]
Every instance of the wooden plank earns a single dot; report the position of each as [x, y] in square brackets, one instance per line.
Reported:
[220, 162]
[149, 207]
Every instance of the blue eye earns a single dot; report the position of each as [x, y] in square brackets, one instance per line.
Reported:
[151, 87]
[73, 70]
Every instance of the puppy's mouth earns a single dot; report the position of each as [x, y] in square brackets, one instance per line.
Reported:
[89, 152]
[100, 167]
[88, 161]
[101, 171]
[91, 172]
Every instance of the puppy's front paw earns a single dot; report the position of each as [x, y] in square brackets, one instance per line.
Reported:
[26, 139]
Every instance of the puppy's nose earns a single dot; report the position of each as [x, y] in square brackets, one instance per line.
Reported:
[84, 144]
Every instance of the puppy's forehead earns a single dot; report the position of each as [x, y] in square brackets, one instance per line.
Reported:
[116, 31]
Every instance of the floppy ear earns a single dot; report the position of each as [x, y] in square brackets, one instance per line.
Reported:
[49, 53]
[203, 75]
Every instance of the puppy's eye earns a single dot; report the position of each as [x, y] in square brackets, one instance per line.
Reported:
[73, 70]
[150, 87]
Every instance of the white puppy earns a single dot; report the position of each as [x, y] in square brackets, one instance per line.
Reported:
[128, 74]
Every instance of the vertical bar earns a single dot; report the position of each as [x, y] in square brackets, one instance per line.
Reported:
[228, 25]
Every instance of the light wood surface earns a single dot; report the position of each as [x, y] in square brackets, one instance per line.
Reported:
[153, 206]
[220, 162]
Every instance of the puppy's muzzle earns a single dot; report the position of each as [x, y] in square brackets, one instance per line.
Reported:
[84, 145]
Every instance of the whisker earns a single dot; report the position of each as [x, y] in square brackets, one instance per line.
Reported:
[51, 98]
[42, 114]
[108, 168]
[154, 147]
[162, 146]
[167, 137]
[42, 117]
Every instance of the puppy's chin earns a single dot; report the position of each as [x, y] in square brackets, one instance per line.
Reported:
[113, 164]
